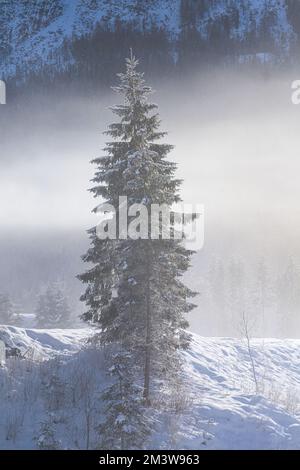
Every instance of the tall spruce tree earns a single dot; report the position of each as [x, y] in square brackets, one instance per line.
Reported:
[134, 289]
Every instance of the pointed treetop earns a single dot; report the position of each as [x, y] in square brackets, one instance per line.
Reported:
[131, 61]
[131, 54]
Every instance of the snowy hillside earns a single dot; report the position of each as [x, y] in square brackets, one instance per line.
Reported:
[34, 33]
[233, 416]
[222, 412]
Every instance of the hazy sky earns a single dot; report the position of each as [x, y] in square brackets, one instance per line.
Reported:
[236, 142]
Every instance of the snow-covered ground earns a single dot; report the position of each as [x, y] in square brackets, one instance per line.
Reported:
[222, 411]
[225, 402]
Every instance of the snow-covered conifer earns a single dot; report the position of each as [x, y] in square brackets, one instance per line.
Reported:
[134, 289]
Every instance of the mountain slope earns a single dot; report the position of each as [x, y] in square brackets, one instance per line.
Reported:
[35, 34]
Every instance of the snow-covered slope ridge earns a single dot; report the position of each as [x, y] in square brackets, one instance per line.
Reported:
[43, 344]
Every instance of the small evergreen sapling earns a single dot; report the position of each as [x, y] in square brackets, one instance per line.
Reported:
[52, 309]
